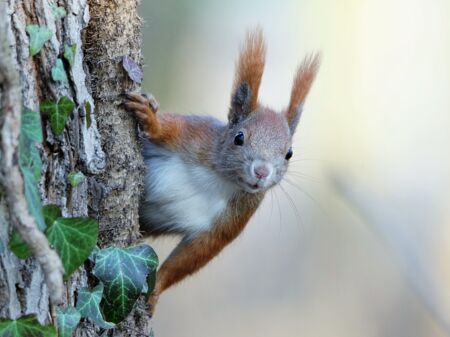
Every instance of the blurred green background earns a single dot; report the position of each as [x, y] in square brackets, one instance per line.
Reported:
[356, 240]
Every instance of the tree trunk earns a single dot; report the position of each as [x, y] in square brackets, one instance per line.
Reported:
[107, 151]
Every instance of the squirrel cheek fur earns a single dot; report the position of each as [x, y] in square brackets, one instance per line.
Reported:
[205, 178]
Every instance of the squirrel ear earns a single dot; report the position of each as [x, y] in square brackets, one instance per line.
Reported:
[249, 70]
[240, 103]
[303, 81]
[294, 119]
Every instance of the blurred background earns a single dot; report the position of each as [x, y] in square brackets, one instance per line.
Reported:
[356, 240]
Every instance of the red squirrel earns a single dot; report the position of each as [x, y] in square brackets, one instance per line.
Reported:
[205, 178]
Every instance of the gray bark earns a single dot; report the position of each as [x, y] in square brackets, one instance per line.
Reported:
[107, 152]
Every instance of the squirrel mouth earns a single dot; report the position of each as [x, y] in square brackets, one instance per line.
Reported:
[253, 187]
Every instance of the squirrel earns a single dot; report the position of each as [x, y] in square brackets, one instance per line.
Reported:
[204, 178]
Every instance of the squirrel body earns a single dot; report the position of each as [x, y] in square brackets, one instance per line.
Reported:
[187, 195]
[205, 178]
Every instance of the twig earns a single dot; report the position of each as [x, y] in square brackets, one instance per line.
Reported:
[11, 179]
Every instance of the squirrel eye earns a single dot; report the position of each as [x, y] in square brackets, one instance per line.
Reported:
[289, 154]
[239, 139]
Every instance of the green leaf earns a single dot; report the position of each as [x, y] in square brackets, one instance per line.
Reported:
[88, 304]
[59, 73]
[123, 271]
[58, 12]
[29, 157]
[16, 243]
[87, 107]
[51, 213]
[30, 132]
[151, 282]
[30, 162]
[93, 255]
[38, 36]
[73, 239]
[25, 326]
[76, 178]
[58, 113]
[33, 196]
[30, 165]
[69, 53]
[68, 320]
[31, 125]
[18, 246]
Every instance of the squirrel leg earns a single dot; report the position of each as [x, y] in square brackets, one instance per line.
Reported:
[144, 108]
[189, 256]
[164, 128]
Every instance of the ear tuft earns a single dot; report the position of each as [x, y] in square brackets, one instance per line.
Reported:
[303, 81]
[250, 67]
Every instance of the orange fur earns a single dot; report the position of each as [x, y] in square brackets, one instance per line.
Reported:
[173, 131]
[250, 65]
[166, 129]
[191, 255]
[303, 80]
[192, 139]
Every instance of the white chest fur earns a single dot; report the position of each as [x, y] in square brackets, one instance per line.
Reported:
[180, 196]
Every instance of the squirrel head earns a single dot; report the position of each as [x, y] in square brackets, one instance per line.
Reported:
[256, 149]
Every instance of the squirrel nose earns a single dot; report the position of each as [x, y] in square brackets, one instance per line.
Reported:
[261, 172]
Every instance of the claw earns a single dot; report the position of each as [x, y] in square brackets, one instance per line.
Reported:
[148, 100]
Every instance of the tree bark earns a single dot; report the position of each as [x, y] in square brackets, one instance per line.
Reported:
[107, 152]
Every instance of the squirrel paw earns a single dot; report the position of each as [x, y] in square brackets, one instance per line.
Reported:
[142, 106]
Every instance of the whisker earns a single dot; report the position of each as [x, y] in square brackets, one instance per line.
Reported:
[306, 194]
[271, 205]
[291, 201]
[303, 176]
[298, 160]
[279, 208]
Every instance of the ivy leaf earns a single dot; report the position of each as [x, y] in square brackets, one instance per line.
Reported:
[73, 239]
[38, 36]
[33, 196]
[68, 320]
[30, 158]
[58, 113]
[93, 255]
[18, 246]
[151, 282]
[133, 69]
[76, 178]
[16, 243]
[69, 53]
[30, 165]
[59, 73]
[87, 107]
[51, 213]
[30, 132]
[58, 12]
[25, 326]
[31, 125]
[123, 271]
[88, 304]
